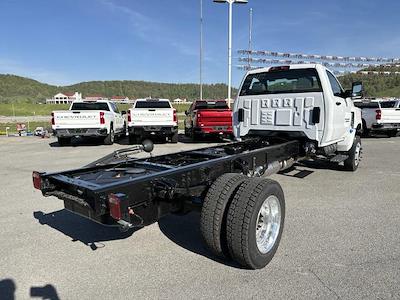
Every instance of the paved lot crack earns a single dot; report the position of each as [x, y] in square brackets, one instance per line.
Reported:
[324, 284]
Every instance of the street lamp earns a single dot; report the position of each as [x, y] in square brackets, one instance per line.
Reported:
[230, 2]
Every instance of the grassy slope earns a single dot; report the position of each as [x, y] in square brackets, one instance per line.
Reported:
[32, 109]
[15, 88]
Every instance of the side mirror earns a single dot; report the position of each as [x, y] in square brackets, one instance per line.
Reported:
[123, 112]
[357, 90]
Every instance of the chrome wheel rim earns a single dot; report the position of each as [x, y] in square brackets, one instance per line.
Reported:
[268, 224]
[357, 154]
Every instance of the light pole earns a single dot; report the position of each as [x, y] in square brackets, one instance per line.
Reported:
[201, 49]
[230, 2]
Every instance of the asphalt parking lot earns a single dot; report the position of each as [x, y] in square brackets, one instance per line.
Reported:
[341, 236]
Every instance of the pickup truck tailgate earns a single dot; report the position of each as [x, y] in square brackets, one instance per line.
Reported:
[390, 115]
[76, 119]
[152, 116]
[215, 117]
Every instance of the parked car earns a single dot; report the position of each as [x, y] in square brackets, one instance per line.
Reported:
[39, 131]
[380, 116]
[152, 118]
[208, 117]
[100, 118]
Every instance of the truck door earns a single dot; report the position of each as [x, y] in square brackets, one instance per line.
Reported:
[118, 118]
[341, 109]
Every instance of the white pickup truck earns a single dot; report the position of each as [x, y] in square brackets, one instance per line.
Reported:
[380, 116]
[99, 118]
[304, 102]
[152, 117]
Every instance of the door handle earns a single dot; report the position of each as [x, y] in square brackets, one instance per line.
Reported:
[338, 103]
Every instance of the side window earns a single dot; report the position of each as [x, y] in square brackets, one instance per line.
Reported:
[114, 107]
[336, 88]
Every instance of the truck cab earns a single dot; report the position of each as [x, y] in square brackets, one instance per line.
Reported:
[304, 101]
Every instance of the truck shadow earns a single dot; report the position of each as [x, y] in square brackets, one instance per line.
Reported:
[8, 288]
[185, 232]
[81, 229]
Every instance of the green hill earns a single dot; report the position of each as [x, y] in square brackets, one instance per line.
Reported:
[19, 89]
[376, 85]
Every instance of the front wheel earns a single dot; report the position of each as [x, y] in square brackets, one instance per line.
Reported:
[255, 222]
[351, 164]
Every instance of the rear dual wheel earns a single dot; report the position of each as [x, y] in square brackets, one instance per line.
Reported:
[243, 219]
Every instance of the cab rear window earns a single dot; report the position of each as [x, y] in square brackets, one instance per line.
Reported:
[366, 104]
[211, 105]
[281, 82]
[90, 106]
[152, 104]
[388, 104]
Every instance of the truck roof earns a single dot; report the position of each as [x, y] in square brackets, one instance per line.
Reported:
[291, 67]
[152, 99]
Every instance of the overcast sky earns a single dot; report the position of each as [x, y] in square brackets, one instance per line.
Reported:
[68, 41]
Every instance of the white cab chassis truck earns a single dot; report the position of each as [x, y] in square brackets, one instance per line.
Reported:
[304, 102]
[290, 112]
[100, 118]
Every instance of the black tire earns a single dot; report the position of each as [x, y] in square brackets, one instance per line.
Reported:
[365, 131]
[392, 133]
[352, 163]
[63, 141]
[123, 133]
[109, 140]
[174, 138]
[242, 221]
[214, 211]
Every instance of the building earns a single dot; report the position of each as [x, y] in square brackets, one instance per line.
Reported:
[94, 98]
[121, 99]
[180, 101]
[64, 98]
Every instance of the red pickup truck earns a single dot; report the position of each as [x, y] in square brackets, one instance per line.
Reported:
[208, 117]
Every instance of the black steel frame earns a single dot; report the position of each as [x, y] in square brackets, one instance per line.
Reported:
[178, 182]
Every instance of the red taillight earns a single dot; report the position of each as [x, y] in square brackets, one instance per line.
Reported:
[175, 117]
[37, 180]
[129, 116]
[378, 114]
[198, 119]
[52, 119]
[102, 121]
[115, 206]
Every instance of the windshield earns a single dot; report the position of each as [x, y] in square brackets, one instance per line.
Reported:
[211, 105]
[281, 82]
[152, 104]
[90, 106]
